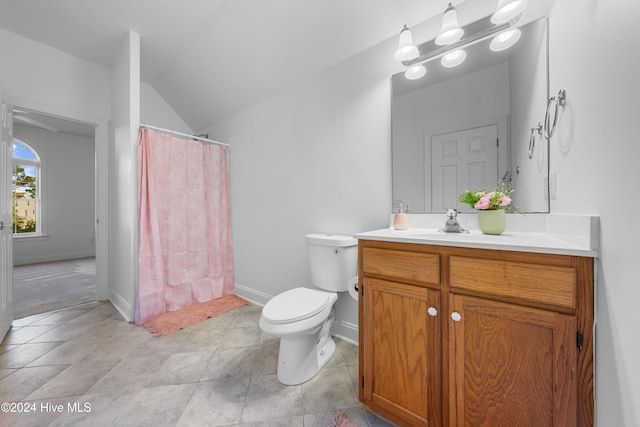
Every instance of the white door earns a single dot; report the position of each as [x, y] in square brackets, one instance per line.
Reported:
[462, 160]
[6, 235]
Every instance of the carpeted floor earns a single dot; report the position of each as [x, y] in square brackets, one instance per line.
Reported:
[50, 286]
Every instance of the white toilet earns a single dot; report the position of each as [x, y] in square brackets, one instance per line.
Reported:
[302, 317]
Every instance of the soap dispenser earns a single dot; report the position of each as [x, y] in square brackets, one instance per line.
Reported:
[401, 219]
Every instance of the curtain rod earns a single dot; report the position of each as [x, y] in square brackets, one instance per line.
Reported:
[173, 132]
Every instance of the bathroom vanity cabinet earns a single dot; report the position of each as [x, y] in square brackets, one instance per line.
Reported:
[455, 336]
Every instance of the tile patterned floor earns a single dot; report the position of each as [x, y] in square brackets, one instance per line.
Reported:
[85, 366]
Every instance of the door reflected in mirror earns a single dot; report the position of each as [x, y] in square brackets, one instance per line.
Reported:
[466, 127]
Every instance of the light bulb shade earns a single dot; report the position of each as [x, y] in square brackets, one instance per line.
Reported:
[453, 59]
[508, 10]
[450, 31]
[505, 39]
[415, 72]
[406, 49]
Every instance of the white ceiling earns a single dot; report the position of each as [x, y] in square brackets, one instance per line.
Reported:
[211, 58]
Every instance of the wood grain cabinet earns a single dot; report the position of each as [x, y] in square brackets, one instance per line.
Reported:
[474, 337]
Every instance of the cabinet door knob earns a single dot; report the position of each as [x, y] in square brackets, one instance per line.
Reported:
[432, 311]
[456, 316]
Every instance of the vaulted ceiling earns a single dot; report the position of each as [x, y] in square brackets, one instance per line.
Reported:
[211, 58]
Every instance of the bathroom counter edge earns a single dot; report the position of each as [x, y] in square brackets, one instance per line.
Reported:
[509, 241]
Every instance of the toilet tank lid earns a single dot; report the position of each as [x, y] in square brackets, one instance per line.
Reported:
[331, 239]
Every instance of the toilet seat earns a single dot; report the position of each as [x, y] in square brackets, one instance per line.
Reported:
[297, 304]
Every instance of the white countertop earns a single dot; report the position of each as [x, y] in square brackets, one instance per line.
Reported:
[561, 235]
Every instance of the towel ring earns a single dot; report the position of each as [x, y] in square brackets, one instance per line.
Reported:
[559, 101]
[532, 138]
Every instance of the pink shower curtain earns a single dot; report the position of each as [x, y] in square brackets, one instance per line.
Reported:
[184, 220]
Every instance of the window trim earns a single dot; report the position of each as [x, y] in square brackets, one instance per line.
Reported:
[37, 163]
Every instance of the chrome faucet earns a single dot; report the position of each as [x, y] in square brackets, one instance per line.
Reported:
[452, 225]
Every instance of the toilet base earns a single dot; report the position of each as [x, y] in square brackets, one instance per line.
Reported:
[326, 352]
[300, 358]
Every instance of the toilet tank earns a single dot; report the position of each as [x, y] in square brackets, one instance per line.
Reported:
[333, 260]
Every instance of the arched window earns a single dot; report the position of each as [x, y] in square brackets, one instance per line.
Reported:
[26, 189]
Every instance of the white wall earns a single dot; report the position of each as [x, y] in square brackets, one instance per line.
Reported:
[39, 74]
[40, 78]
[528, 100]
[154, 110]
[132, 102]
[314, 158]
[595, 153]
[68, 197]
[125, 116]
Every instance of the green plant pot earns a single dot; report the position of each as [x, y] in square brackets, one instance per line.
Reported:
[492, 221]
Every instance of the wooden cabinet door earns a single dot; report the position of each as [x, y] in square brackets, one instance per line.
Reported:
[512, 365]
[400, 346]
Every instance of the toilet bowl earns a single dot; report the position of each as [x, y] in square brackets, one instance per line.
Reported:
[302, 317]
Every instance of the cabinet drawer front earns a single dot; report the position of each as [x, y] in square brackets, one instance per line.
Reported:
[402, 265]
[544, 284]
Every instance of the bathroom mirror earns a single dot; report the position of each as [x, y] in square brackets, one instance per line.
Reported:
[465, 128]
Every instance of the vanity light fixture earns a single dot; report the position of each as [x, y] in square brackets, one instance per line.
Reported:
[453, 59]
[449, 45]
[505, 39]
[406, 49]
[450, 32]
[508, 10]
[415, 72]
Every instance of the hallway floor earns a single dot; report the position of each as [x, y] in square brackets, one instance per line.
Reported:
[86, 366]
[54, 285]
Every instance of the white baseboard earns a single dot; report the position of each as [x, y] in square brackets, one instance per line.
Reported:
[122, 306]
[346, 331]
[53, 257]
[252, 295]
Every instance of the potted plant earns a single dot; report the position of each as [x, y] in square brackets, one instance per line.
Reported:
[491, 206]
